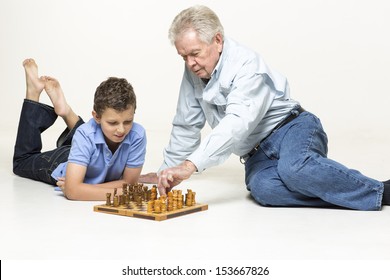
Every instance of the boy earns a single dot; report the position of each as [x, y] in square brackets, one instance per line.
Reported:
[91, 158]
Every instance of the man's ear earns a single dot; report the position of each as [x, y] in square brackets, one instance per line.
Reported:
[96, 117]
[219, 41]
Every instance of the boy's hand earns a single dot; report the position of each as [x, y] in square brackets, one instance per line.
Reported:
[61, 183]
[149, 178]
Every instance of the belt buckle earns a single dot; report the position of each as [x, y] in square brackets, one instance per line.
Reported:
[244, 158]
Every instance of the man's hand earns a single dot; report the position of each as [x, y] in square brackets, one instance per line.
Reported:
[173, 176]
[149, 178]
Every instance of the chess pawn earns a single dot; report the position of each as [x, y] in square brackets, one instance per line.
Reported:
[145, 194]
[157, 206]
[180, 202]
[148, 192]
[130, 195]
[108, 199]
[116, 201]
[193, 202]
[170, 201]
[139, 200]
[124, 188]
[163, 206]
[153, 193]
[150, 206]
[188, 199]
[121, 200]
[127, 201]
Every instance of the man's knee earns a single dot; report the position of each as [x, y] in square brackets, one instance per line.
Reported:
[292, 172]
[261, 193]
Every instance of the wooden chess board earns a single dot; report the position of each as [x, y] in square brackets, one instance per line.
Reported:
[140, 211]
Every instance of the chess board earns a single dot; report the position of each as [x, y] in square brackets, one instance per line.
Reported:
[140, 211]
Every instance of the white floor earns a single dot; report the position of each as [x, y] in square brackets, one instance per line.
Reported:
[39, 223]
[337, 68]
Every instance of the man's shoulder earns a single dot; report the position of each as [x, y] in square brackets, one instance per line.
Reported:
[238, 52]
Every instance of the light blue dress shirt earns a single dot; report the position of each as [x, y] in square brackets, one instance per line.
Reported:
[90, 149]
[242, 102]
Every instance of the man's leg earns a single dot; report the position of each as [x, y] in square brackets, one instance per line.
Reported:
[303, 166]
[267, 188]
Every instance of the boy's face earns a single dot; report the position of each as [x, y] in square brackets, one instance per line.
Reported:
[115, 125]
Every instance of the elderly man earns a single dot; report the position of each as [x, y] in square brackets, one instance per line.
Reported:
[248, 106]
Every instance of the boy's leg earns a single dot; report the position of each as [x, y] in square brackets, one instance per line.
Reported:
[34, 85]
[62, 109]
[65, 139]
[28, 161]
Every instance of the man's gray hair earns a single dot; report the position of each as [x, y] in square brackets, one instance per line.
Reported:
[199, 18]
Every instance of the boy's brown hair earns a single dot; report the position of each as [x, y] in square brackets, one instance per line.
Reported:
[115, 93]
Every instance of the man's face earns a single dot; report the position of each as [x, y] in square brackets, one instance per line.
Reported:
[200, 57]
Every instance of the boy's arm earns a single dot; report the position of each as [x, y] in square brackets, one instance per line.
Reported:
[75, 188]
[131, 175]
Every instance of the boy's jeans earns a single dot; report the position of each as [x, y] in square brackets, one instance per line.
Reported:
[28, 160]
[291, 168]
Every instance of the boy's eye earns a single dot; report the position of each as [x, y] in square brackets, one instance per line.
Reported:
[116, 123]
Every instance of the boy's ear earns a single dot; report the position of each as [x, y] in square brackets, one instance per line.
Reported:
[96, 116]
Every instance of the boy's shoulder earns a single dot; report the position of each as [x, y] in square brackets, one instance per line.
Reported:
[138, 129]
[88, 127]
[90, 130]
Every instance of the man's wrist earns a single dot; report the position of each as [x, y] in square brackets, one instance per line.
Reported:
[190, 166]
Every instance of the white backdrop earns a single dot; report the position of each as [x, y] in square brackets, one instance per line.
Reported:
[335, 54]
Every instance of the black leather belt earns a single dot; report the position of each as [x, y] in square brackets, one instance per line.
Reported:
[293, 114]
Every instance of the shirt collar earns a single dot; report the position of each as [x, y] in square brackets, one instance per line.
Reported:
[222, 58]
[99, 136]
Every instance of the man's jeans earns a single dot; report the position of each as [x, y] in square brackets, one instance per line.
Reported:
[291, 168]
[28, 160]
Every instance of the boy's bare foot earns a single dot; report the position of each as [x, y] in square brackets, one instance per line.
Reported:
[34, 84]
[56, 95]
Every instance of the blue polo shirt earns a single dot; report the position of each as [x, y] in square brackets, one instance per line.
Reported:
[90, 149]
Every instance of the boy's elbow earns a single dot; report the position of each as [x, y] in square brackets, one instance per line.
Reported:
[70, 193]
